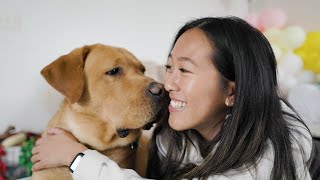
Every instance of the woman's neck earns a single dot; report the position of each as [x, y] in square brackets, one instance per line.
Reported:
[210, 132]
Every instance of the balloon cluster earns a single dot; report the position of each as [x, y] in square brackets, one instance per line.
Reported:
[297, 52]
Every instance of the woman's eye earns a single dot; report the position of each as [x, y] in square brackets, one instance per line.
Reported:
[168, 67]
[184, 70]
[113, 71]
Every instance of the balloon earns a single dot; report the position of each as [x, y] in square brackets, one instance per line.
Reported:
[290, 63]
[310, 52]
[277, 51]
[280, 74]
[253, 20]
[273, 18]
[288, 83]
[305, 77]
[273, 35]
[292, 37]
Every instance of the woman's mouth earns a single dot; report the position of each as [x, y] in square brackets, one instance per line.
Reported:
[176, 105]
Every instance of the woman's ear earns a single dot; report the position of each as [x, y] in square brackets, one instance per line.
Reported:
[231, 92]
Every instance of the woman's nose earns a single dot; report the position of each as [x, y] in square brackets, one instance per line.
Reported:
[171, 82]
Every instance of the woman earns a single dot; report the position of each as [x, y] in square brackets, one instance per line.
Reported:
[226, 117]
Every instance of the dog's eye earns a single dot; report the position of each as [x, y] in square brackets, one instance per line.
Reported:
[113, 71]
[143, 70]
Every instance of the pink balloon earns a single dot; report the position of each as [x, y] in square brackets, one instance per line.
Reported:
[253, 20]
[273, 18]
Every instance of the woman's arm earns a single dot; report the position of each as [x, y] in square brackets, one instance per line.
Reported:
[59, 148]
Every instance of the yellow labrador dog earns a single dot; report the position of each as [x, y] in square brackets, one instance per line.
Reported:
[108, 100]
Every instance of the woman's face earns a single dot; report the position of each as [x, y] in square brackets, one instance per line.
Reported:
[193, 83]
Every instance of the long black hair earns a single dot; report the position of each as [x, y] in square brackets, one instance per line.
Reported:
[241, 54]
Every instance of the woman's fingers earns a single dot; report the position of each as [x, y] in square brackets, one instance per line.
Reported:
[35, 158]
[39, 141]
[38, 166]
[35, 150]
[55, 130]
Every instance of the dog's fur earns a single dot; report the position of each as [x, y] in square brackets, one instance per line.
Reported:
[98, 104]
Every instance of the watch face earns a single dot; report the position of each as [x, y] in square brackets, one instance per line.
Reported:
[75, 162]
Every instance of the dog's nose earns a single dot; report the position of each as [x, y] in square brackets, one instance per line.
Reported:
[156, 89]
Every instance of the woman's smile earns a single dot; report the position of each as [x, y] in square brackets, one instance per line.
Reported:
[176, 105]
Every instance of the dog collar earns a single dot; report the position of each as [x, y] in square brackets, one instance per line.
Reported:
[134, 145]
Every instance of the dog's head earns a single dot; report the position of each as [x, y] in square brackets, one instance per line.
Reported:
[108, 83]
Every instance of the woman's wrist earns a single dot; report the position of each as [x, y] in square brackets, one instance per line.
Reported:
[77, 149]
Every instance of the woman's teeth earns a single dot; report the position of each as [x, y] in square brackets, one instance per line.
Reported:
[177, 104]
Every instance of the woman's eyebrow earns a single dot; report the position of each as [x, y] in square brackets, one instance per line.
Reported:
[183, 59]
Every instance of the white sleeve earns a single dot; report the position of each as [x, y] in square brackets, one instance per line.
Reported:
[95, 166]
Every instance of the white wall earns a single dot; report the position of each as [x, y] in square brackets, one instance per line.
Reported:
[35, 32]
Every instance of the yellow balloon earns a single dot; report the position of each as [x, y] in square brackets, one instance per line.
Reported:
[310, 52]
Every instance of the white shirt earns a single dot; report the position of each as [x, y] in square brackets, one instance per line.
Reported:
[96, 166]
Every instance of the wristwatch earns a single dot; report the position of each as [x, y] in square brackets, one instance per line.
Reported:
[75, 162]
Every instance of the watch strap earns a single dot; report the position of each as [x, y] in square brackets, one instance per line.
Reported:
[73, 165]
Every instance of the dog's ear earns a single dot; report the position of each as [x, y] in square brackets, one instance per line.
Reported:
[66, 74]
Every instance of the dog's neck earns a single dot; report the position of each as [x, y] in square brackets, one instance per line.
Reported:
[96, 133]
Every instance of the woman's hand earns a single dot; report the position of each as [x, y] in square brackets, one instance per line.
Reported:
[56, 149]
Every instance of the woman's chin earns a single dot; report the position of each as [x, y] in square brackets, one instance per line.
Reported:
[176, 125]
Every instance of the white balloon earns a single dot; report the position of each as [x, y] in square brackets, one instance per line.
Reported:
[305, 76]
[287, 83]
[272, 34]
[277, 51]
[280, 74]
[291, 63]
[292, 37]
[290, 82]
